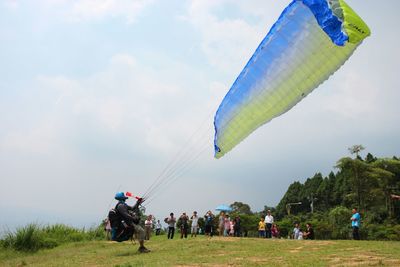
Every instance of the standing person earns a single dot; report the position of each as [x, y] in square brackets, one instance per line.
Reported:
[184, 220]
[158, 227]
[261, 228]
[231, 227]
[237, 227]
[296, 231]
[148, 226]
[195, 223]
[221, 222]
[208, 218]
[269, 220]
[107, 228]
[355, 223]
[129, 222]
[171, 220]
[309, 234]
[227, 225]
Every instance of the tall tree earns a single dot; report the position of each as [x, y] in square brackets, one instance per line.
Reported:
[370, 158]
[294, 194]
[356, 149]
[310, 192]
[241, 208]
[387, 172]
[359, 182]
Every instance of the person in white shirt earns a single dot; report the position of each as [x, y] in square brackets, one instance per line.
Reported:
[269, 220]
[158, 227]
[195, 223]
[148, 225]
[300, 235]
[296, 231]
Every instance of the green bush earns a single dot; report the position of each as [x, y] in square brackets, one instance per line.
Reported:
[381, 232]
[285, 227]
[32, 237]
[339, 218]
[322, 229]
[95, 233]
[249, 225]
[28, 238]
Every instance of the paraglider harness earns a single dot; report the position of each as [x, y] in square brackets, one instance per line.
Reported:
[120, 229]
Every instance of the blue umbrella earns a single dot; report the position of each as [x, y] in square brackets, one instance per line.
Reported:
[223, 208]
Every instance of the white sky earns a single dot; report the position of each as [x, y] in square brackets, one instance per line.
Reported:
[97, 96]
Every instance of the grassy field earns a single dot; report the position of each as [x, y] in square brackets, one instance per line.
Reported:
[216, 251]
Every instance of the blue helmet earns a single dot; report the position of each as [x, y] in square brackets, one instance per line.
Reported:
[120, 196]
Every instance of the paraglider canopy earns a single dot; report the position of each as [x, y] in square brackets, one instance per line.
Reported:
[223, 208]
[310, 41]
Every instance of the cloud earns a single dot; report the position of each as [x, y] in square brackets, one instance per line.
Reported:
[88, 10]
[39, 140]
[124, 102]
[353, 97]
[11, 4]
[117, 126]
[98, 9]
[228, 42]
[224, 42]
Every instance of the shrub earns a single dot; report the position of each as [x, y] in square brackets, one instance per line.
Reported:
[381, 232]
[323, 230]
[28, 238]
[339, 218]
[285, 227]
[32, 237]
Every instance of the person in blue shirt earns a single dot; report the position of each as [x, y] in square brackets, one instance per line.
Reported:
[355, 223]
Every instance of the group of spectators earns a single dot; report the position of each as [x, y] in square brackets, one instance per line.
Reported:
[228, 226]
[268, 229]
[184, 224]
[299, 233]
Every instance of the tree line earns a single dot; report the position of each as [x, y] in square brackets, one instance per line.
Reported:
[368, 183]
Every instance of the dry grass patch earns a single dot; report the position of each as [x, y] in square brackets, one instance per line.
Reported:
[366, 259]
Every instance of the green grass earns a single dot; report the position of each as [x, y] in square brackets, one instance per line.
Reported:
[33, 237]
[216, 251]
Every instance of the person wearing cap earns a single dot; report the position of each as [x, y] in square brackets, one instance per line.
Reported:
[130, 220]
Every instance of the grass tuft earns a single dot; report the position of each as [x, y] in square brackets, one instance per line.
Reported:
[33, 237]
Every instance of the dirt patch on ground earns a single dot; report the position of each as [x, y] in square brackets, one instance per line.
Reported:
[224, 238]
[207, 264]
[363, 259]
[296, 250]
[318, 243]
[257, 259]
